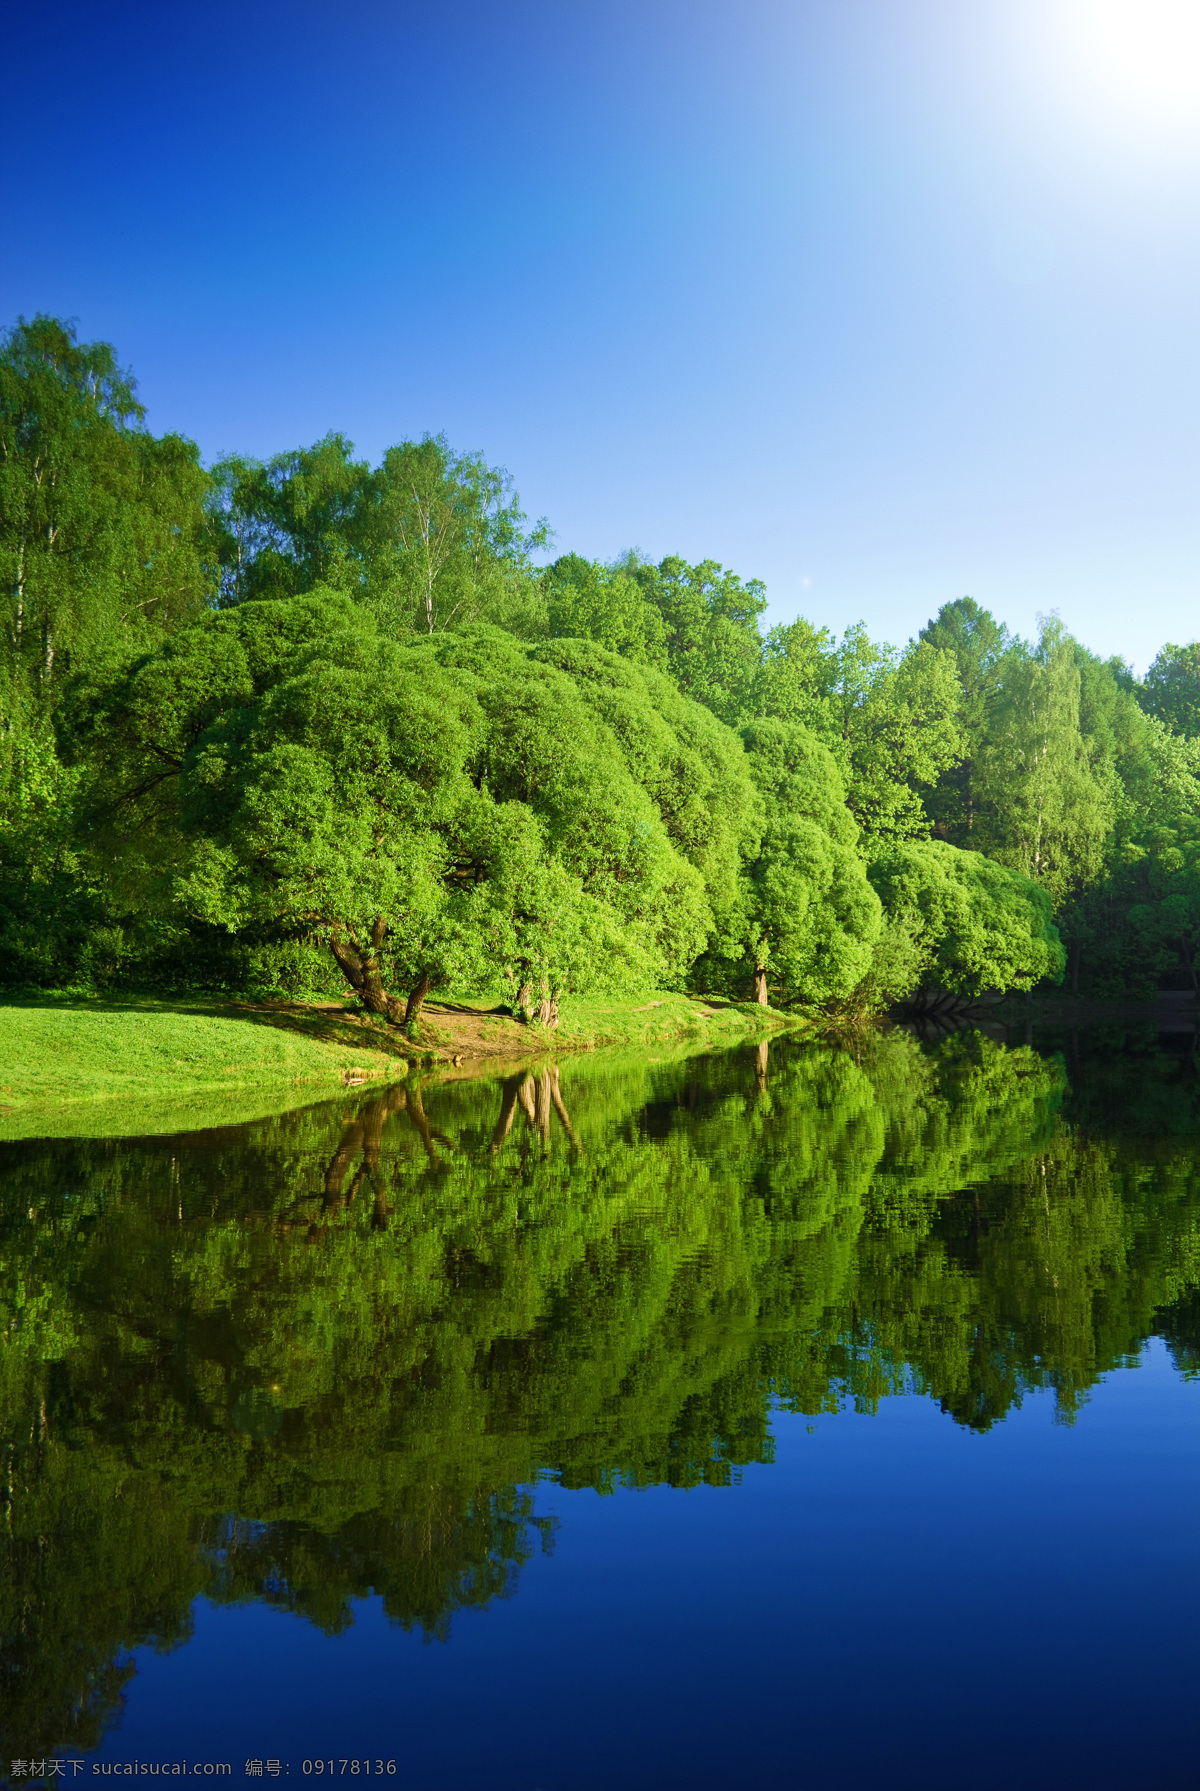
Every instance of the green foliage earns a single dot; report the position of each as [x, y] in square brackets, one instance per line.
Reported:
[691, 767]
[981, 648]
[961, 922]
[1067, 779]
[1140, 919]
[101, 539]
[811, 917]
[449, 810]
[100, 522]
[697, 623]
[896, 722]
[606, 604]
[709, 619]
[445, 542]
[890, 719]
[130, 851]
[1046, 806]
[1171, 692]
[279, 527]
[429, 539]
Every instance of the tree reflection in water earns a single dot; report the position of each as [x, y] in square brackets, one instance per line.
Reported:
[331, 1353]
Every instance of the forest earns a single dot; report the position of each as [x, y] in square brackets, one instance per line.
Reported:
[314, 724]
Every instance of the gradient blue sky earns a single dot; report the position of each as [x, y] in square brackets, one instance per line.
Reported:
[881, 301]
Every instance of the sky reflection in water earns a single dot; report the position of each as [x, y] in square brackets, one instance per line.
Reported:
[678, 1422]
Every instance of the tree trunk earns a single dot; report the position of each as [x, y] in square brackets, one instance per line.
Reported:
[416, 999]
[363, 1133]
[760, 986]
[361, 968]
[20, 595]
[547, 1007]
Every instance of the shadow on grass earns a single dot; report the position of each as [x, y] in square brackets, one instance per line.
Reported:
[330, 1024]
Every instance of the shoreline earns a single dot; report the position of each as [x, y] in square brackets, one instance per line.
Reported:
[64, 1055]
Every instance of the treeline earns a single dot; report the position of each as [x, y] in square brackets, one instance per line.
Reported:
[266, 716]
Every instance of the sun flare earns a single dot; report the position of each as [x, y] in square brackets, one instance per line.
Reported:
[1146, 53]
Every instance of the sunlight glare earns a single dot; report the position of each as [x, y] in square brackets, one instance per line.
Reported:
[1145, 53]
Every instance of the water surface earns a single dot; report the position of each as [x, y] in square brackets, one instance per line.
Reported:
[811, 1416]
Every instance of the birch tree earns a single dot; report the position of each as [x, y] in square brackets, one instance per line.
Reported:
[100, 522]
[446, 540]
[1044, 807]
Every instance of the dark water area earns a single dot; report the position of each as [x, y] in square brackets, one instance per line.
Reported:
[808, 1416]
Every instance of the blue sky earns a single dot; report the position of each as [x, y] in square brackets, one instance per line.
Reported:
[881, 301]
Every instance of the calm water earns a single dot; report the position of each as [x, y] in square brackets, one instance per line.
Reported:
[821, 1418]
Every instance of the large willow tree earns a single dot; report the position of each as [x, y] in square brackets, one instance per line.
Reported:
[454, 811]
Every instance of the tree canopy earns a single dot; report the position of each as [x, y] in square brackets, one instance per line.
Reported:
[436, 810]
[258, 710]
[959, 921]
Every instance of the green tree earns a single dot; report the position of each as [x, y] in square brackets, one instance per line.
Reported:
[980, 647]
[1046, 808]
[102, 537]
[586, 600]
[710, 619]
[959, 921]
[890, 719]
[895, 723]
[797, 677]
[1118, 936]
[693, 769]
[643, 795]
[281, 526]
[101, 524]
[429, 539]
[1169, 926]
[811, 917]
[1123, 748]
[446, 543]
[439, 811]
[1171, 691]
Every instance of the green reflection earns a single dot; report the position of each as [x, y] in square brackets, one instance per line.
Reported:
[331, 1353]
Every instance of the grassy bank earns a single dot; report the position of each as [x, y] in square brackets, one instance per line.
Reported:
[55, 1050]
[244, 1059]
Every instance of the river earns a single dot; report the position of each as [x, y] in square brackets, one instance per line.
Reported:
[815, 1414]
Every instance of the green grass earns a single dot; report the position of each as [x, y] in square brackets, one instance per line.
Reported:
[56, 1050]
[73, 1064]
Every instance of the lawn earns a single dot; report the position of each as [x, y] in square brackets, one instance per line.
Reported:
[62, 1049]
[62, 1057]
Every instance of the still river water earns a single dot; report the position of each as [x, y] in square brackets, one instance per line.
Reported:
[814, 1417]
